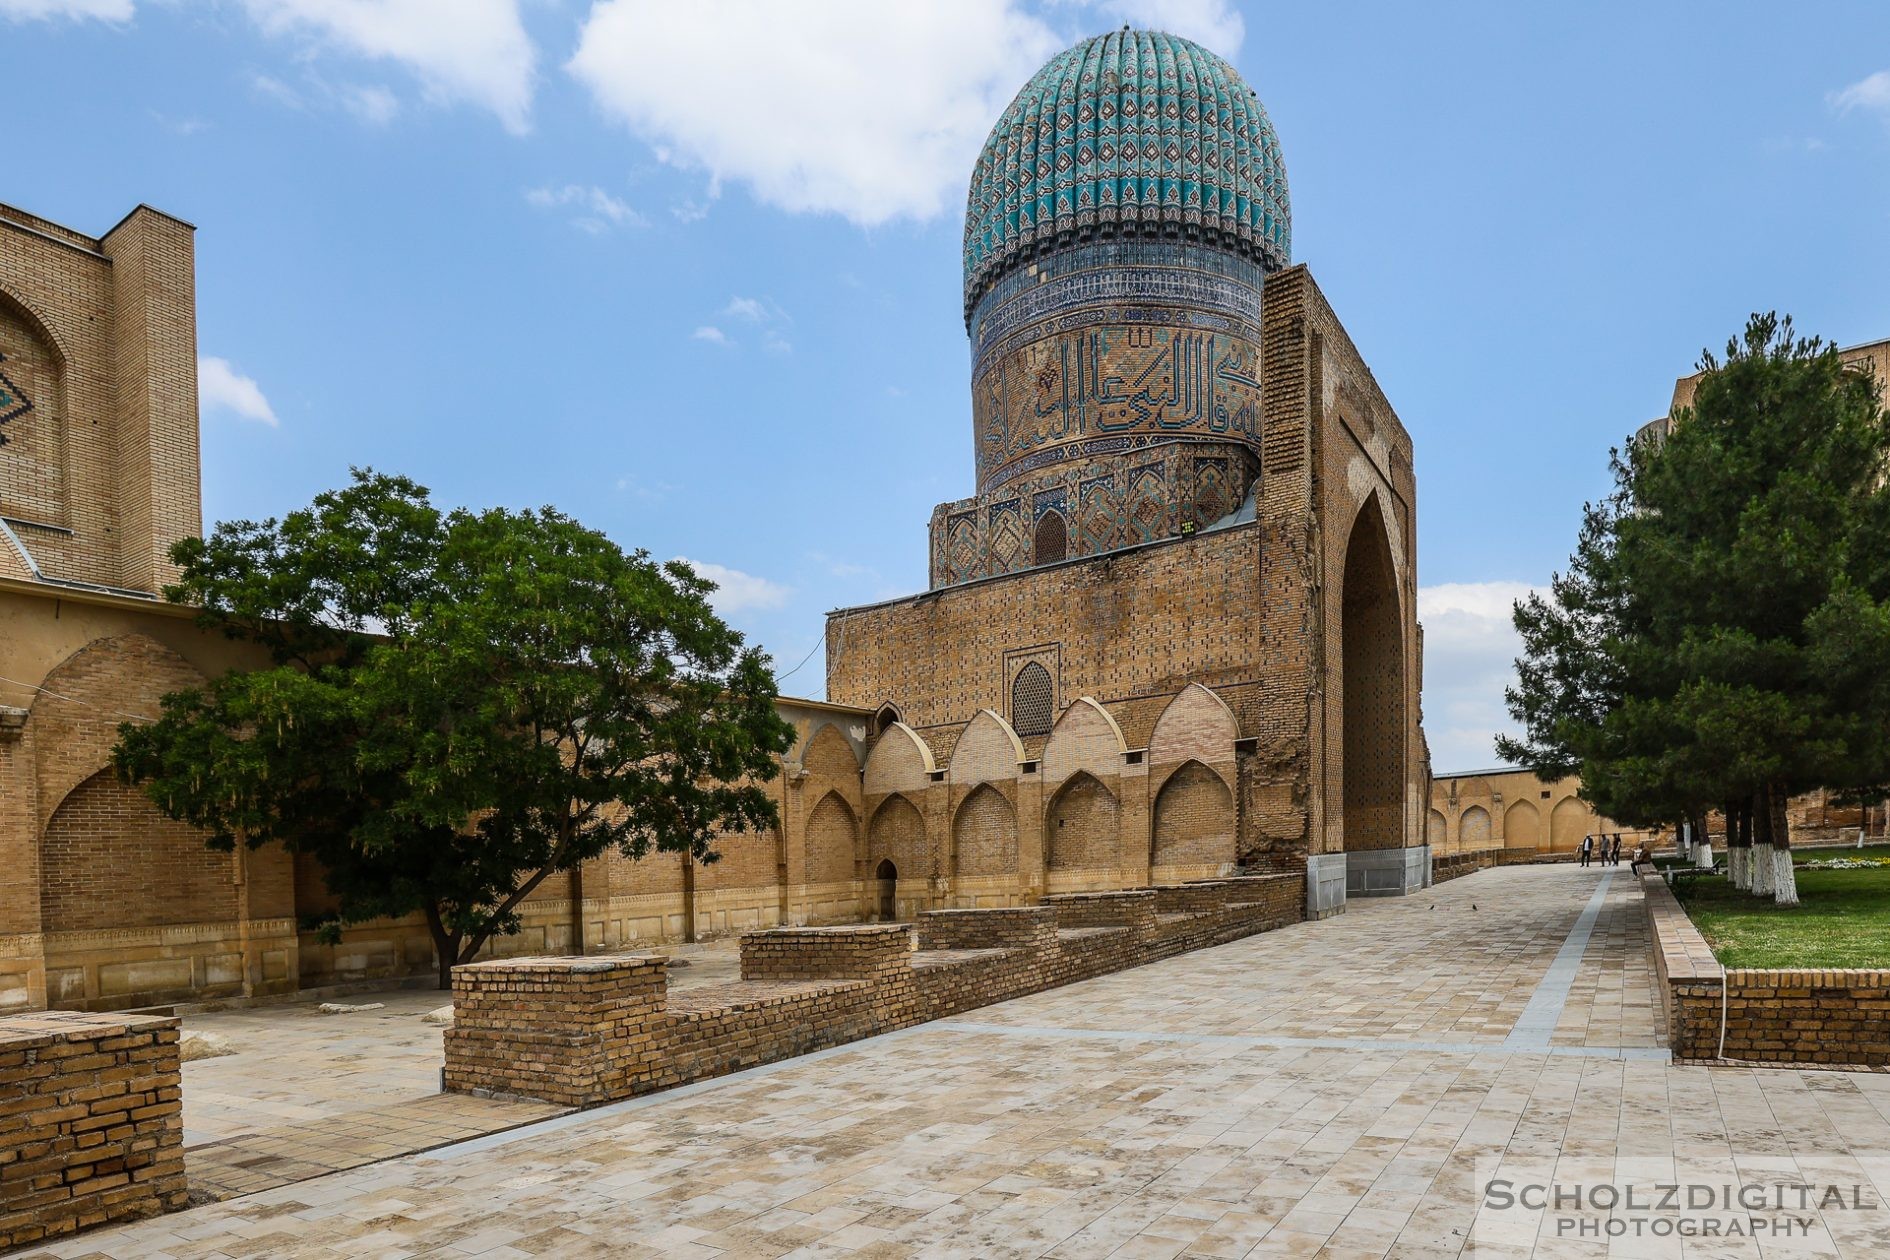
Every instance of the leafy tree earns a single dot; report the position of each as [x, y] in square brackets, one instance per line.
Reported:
[1723, 606]
[459, 706]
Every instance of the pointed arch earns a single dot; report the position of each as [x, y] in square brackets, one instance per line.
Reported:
[887, 715]
[35, 324]
[984, 833]
[899, 762]
[1081, 827]
[989, 750]
[1372, 686]
[110, 859]
[1085, 738]
[1033, 699]
[1194, 824]
[1568, 822]
[1436, 830]
[829, 754]
[1473, 829]
[1195, 726]
[897, 833]
[832, 839]
[1520, 825]
[1051, 540]
[76, 713]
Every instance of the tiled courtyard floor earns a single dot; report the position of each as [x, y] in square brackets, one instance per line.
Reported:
[1340, 1089]
[307, 1093]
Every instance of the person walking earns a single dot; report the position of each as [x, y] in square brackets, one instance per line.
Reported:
[1588, 848]
[1614, 851]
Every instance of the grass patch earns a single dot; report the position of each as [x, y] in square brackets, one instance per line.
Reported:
[1843, 919]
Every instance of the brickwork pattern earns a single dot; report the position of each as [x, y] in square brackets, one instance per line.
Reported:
[103, 332]
[580, 1032]
[93, 1126]
[1837, 1017]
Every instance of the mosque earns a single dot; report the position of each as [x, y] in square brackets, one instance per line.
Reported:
[1171, 633]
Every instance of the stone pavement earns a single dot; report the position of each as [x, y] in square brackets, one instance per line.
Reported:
[1340, 1089]
[305, 1094]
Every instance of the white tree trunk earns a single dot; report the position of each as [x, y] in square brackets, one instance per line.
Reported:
[1703, 854]
[1761, 869]
[1784, 878]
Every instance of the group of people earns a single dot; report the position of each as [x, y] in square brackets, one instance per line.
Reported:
[1610, 849]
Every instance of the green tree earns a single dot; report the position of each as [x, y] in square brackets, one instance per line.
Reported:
[460, 705]
[1723, 603]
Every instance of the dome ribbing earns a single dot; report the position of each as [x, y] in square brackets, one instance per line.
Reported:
[1133, 133]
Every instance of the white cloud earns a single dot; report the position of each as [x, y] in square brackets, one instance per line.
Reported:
[462, 51]
[647, 492]
[1213, 24]
[861, 108]
[599, 211]
[373, 105]
[77, 10]
[1871, 92]
[736, 591]
[689, 210]
[221, 387]
[267, 85]
[711, 334]
[750, 309]
[1470, 648]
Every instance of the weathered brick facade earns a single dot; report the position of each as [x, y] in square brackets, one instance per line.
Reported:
[93, 1122]
[1239, 692]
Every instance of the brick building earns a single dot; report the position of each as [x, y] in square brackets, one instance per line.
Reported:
[1171, 634]
[1173, 630]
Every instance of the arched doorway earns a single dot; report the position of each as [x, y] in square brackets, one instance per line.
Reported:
[1372, 684]
[887, 902]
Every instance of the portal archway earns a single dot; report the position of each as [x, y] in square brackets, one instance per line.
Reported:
[1373, 685]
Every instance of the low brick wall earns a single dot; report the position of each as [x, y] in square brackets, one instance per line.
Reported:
[91, 1122]
[1452, 865]
[584, 1031]
[1836, 1017]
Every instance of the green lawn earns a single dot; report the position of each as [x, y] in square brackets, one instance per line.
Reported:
[1843, 919]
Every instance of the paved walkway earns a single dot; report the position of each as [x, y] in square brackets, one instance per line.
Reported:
[305, 1093]
[1344, 1089]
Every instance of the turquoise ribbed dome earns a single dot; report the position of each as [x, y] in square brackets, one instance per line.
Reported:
[1133, 133]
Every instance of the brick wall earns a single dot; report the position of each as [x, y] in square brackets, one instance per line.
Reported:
[1786, 1016]
[93, 1126]
[580, 1031]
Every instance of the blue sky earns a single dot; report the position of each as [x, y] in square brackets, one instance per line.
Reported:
[691, 271]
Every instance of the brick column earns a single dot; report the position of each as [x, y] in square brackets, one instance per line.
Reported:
[567, 1030]
[93, 1122]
